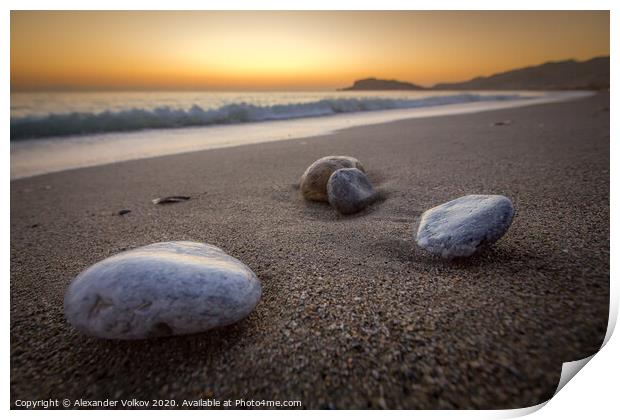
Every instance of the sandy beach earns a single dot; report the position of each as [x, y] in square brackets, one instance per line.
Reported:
[353, 314]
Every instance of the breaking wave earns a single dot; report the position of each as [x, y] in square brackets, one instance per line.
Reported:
[82, 123]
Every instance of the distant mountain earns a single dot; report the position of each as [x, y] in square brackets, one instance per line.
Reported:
[561, 75]
[380, 84]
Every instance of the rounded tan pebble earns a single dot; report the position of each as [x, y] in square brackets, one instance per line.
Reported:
[313, 183]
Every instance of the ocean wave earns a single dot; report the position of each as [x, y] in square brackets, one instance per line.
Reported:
[82, 123]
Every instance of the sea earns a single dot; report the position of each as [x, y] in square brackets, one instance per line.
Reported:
[55, 131]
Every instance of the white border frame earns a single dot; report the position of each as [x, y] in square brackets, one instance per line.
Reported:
[592, 394]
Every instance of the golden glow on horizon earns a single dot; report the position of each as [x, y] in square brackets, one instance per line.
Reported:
[288, 50]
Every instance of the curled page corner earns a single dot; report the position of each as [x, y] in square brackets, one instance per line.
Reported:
[520, 412]
[611, 324]
[569, 370]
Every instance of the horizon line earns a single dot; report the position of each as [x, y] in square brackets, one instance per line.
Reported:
[185, 88]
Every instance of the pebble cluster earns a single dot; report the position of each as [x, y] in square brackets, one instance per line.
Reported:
[458, 228]
[339, 180]
[313, 182]
[174, 288]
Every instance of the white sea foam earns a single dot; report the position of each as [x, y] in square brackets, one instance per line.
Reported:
[40, 156]
[81, 123]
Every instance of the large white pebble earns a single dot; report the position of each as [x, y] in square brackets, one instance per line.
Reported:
[463, 226]
[166, 288]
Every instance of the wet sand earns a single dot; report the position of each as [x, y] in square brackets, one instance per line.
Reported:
[353, 313]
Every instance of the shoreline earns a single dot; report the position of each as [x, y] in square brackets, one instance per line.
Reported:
[353, 314]
[42, 156]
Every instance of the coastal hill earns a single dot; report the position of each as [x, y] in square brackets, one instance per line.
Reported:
[561, 75]
[565, 75]
[380, 84]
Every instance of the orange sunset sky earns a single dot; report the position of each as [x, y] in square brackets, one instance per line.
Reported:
[288, 50]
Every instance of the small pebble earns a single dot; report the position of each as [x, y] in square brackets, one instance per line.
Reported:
[171, 199]
[123, 211]
[349, 190]
[461, 227]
